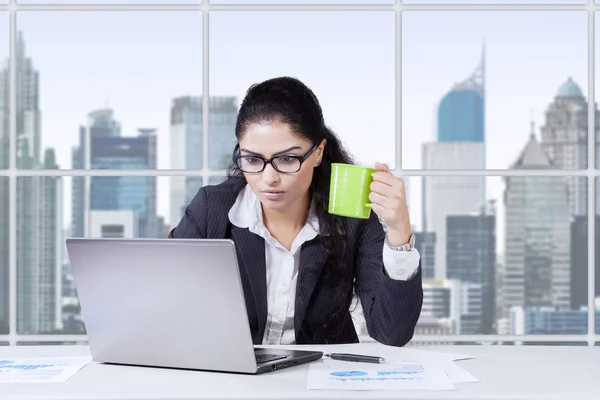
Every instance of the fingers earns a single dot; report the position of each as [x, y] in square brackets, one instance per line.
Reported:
[381, 212]
[389, 203]
[382, 167]
[389, 179]
[393, 189]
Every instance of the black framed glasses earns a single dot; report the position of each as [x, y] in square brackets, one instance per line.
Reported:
[283, 164]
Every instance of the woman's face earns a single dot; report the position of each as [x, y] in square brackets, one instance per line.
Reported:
[277, 190]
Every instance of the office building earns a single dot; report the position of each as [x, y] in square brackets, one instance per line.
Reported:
[100, 123]
[38, 207]
[425, 243]
[451, 300]
[564, 138]
[102, 147]
[186, 151]
[187, 145]
[551, 321]
[39, 250]
[461, 112]
[113, 224]
[580, 262]
[450, 195]
[471, 257]
[460, 145]
[536, 271]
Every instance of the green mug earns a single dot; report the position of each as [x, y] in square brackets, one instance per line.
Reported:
[349, 190]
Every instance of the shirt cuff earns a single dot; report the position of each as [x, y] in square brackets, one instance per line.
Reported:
[400, 265]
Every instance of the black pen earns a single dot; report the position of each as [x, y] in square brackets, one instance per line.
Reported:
[355, 358]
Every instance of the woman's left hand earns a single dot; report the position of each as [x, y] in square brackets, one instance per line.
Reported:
[389, 203]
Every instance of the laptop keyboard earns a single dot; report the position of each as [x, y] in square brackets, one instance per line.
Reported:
[264, 358]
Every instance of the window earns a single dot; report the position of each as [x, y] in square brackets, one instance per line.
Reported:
[483, 112]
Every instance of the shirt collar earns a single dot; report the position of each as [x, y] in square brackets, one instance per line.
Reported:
[247, 213]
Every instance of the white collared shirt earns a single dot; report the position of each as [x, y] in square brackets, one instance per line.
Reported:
[282, 265]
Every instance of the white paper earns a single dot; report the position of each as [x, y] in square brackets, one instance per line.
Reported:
[340, 375]
[456, 373]
[446, 360]
[412, 354]
[40, 370]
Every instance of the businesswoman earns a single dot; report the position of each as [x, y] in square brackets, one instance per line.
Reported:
[298, 263]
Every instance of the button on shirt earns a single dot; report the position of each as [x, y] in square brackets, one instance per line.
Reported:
[282, 265]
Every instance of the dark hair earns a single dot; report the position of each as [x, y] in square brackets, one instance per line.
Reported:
[289, 101]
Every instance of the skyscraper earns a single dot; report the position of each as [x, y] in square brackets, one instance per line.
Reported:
[187, 144]
[471, 257]
[186, 152]
[450, 195]
[38, 210]
[100, 123]
[537, 237]
[461, 112]
[102, 147]
[39, 250]
[564, 138]
[460, 145]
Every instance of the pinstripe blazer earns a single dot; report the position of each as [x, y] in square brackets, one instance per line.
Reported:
[391, 307]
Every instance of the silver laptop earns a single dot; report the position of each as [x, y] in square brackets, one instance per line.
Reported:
[175, 303]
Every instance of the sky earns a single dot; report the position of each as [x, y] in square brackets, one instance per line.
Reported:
[347, 58]
[525, 68]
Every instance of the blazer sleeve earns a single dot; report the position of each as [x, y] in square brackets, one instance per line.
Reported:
[391, 307]
[193, 224]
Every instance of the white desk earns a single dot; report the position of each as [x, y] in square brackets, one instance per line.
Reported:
[532, 372]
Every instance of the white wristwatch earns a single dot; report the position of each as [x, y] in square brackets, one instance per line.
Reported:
[405, 247]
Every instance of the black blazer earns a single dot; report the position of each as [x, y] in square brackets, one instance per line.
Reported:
[391, 307]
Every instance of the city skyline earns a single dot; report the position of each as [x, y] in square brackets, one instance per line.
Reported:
[223, 38]
[521, 78]
[543, 240]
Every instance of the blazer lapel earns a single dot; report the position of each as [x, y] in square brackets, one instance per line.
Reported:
[251, 255]
[312, 260]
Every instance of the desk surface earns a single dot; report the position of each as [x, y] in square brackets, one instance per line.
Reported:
[521, 372]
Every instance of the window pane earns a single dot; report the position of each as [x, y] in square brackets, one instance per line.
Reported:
[4, 91]
[215, 180]
[4, 255]
[51, 209]
[331, 58]
[473, 94]
[181, 192]
[503, 255]
[105, 90]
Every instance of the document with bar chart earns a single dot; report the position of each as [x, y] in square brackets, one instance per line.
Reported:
[41, 369]
[339, 375]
